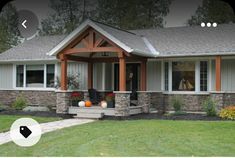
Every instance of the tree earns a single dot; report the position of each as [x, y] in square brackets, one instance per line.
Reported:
[133, 14]
[9, 33]
[68, 14]
[213, 11]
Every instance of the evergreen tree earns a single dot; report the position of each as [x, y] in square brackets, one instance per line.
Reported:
[68, 14]
[9, 33]
[133, 14]
[213, 11]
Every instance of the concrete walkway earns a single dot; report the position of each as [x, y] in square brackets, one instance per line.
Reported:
[48, 127]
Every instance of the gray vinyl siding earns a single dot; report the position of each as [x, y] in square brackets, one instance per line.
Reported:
[154, 76]
[98, 76]
[6, 76]
[76, 68]
[228, 75]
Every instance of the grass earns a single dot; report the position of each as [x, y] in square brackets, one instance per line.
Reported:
[7, 120]
[135, 138]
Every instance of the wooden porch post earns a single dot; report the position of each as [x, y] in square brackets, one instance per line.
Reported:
[90, 75]
[122, 74]
[64, 78]
[143, 75]
[218, 73]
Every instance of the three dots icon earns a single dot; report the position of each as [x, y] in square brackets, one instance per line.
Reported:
[208, 24]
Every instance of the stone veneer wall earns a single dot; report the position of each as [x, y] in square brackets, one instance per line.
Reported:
[122, 103]
[144, 100]
[40, 98]
[192, 102]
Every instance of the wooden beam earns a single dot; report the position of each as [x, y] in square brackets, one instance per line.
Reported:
[77, 58]
[88, 50]
[64, 78]
[122, 74]
[91, 39]
[90, 75]
[98, 42]
[218, 73]
[143, 75]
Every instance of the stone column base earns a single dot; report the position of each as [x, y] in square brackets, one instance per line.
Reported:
[122, 103]
[144, 100]
[62, 102]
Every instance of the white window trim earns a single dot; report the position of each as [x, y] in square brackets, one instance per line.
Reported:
[44, 88]
[197, 78]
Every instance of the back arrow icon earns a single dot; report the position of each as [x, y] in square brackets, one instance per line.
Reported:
[23, 24]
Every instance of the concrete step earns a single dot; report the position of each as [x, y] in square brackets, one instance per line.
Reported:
[89, 115]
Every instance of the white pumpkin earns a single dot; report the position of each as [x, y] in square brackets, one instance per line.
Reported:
[103, 104]
[81, 104]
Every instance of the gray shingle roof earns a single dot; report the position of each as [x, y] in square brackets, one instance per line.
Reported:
[178, 41]
[34, 49]
[189, 41]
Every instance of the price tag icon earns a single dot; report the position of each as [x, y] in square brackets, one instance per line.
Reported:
[25, 131]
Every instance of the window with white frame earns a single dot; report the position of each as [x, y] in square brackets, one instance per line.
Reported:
[35, 76]
[184, 76]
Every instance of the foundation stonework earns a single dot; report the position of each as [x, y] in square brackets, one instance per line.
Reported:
[157, 101]
[122, 103]
[218, 98]
[34, 98]
[144, 100]
[62, 102]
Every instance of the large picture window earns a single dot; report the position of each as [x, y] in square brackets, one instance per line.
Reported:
[183, 76]
[36, 76]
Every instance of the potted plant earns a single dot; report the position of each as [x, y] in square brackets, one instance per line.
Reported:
[110, 97]
[76, 97]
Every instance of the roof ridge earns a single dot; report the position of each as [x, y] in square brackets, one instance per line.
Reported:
[112, 26]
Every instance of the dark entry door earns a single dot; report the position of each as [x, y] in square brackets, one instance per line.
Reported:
[132, 76]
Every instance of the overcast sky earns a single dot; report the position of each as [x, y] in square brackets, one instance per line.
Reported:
[180, 10]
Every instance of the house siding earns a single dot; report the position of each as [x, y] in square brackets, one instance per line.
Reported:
[154, 79]
[228, 75]
[6, 76]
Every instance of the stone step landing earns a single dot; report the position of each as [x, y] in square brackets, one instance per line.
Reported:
[97, 115]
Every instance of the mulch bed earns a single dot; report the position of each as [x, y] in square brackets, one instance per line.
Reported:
[156, 116]
[38, 113]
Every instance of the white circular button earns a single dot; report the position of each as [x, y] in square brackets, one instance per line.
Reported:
[208, 24]
[25, 132]
[203, 24]
[214, 24]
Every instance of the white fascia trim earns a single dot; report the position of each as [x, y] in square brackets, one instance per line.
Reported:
[150, 47]
[27, 60]
[79, 30]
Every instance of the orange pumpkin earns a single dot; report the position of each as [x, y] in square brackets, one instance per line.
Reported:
[88, 104]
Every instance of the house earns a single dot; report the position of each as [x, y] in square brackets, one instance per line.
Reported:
[192, 62]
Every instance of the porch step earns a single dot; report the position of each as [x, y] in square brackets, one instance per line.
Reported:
[89, 115]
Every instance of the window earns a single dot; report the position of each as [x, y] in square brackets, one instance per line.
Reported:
[19, 75]
[166, 77]
[36, 76]
[203, 75]
[50, 75]
[183, 76]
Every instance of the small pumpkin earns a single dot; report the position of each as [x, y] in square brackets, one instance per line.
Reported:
[88, 103]
[81, 104]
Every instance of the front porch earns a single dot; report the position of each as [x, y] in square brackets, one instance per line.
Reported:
[93, 47]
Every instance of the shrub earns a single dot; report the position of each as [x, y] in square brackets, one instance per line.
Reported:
[177, 103]
[228, 112]
[209, 107]
[20, 102]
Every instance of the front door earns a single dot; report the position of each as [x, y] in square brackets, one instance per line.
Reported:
[132, 76]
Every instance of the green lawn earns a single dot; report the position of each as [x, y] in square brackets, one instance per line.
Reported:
[7, 120]
[135, 138]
